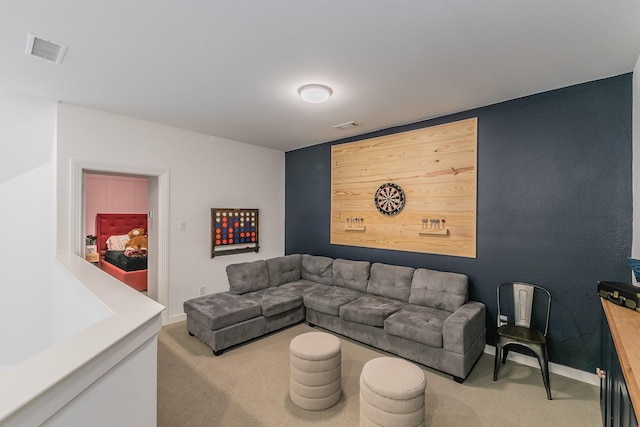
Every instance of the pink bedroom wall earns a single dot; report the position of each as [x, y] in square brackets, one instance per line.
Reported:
[113, 194]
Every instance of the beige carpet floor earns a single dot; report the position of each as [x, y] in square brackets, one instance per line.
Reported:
[249, 386]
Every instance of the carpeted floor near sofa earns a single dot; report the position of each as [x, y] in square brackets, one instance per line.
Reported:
[248, 385]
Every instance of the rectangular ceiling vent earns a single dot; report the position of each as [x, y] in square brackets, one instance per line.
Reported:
[45, 49]
[348, 125]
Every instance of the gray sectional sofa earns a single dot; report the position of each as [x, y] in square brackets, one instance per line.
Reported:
[418, 314]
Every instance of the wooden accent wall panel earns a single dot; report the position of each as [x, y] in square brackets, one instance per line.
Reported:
[437, 169]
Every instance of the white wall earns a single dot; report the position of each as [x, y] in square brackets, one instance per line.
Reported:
[205, 172]
[635, 247]
[27, 129]
[107, 402]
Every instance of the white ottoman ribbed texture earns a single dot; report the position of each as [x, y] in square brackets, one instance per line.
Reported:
[392, 393]
[315, 370]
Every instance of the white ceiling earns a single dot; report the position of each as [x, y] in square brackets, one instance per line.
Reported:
[231, 68]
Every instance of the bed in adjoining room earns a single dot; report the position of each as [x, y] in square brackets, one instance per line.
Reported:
[111, 232]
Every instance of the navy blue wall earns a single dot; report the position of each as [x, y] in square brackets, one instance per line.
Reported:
[554, 206]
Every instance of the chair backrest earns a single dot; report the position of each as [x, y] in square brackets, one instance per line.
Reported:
[522, 304]
[523, 297]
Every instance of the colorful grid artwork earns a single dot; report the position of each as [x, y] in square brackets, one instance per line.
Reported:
[234, 231]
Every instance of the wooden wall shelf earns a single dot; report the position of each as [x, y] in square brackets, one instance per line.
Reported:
[443, 232]
[363, 228]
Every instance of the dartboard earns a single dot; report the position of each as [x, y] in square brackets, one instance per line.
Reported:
[389, 199]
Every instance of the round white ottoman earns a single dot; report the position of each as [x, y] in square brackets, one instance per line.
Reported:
[392, 393]
[315, 370]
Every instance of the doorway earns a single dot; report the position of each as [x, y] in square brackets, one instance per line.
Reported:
[158, 231]
[117, 194]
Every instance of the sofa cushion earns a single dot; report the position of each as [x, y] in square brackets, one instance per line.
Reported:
[417, 323]
[302, 287]
[284, 269]
[317, 269]
[217, 311]
[329, 301]
[274, 300]
[370, 310]
[247, 277]
[438, 289]
[391, 281]
[351, 274]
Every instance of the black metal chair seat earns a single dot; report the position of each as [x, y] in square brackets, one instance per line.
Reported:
[521, 333]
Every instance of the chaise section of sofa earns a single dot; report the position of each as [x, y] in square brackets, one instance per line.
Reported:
[419, 314]
[223, 319]
[258, 308]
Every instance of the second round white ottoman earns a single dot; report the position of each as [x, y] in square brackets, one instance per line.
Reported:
[392, 393]
[315, 370]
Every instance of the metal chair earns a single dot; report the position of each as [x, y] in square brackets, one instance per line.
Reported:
[520, 332]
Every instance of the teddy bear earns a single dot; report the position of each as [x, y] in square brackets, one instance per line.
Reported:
[137, 244]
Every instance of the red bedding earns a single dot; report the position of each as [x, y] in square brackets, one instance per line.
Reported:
[117, 224]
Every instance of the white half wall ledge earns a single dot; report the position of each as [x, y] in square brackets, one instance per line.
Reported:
[35, 389]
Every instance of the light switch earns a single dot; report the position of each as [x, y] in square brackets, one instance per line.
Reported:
[182, 225]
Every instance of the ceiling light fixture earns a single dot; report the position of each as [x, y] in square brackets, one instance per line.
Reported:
[315, 93]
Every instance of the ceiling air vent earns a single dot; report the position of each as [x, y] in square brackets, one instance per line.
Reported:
[348, 125]
[45, 49]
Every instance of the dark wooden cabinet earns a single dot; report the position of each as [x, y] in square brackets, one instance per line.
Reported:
[615, 401]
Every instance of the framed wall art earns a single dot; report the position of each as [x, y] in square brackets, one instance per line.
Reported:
[234, 231]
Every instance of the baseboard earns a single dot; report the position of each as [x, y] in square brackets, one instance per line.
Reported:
[175, 319]
[555, 368]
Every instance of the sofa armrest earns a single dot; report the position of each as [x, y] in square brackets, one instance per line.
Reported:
[463, 327]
